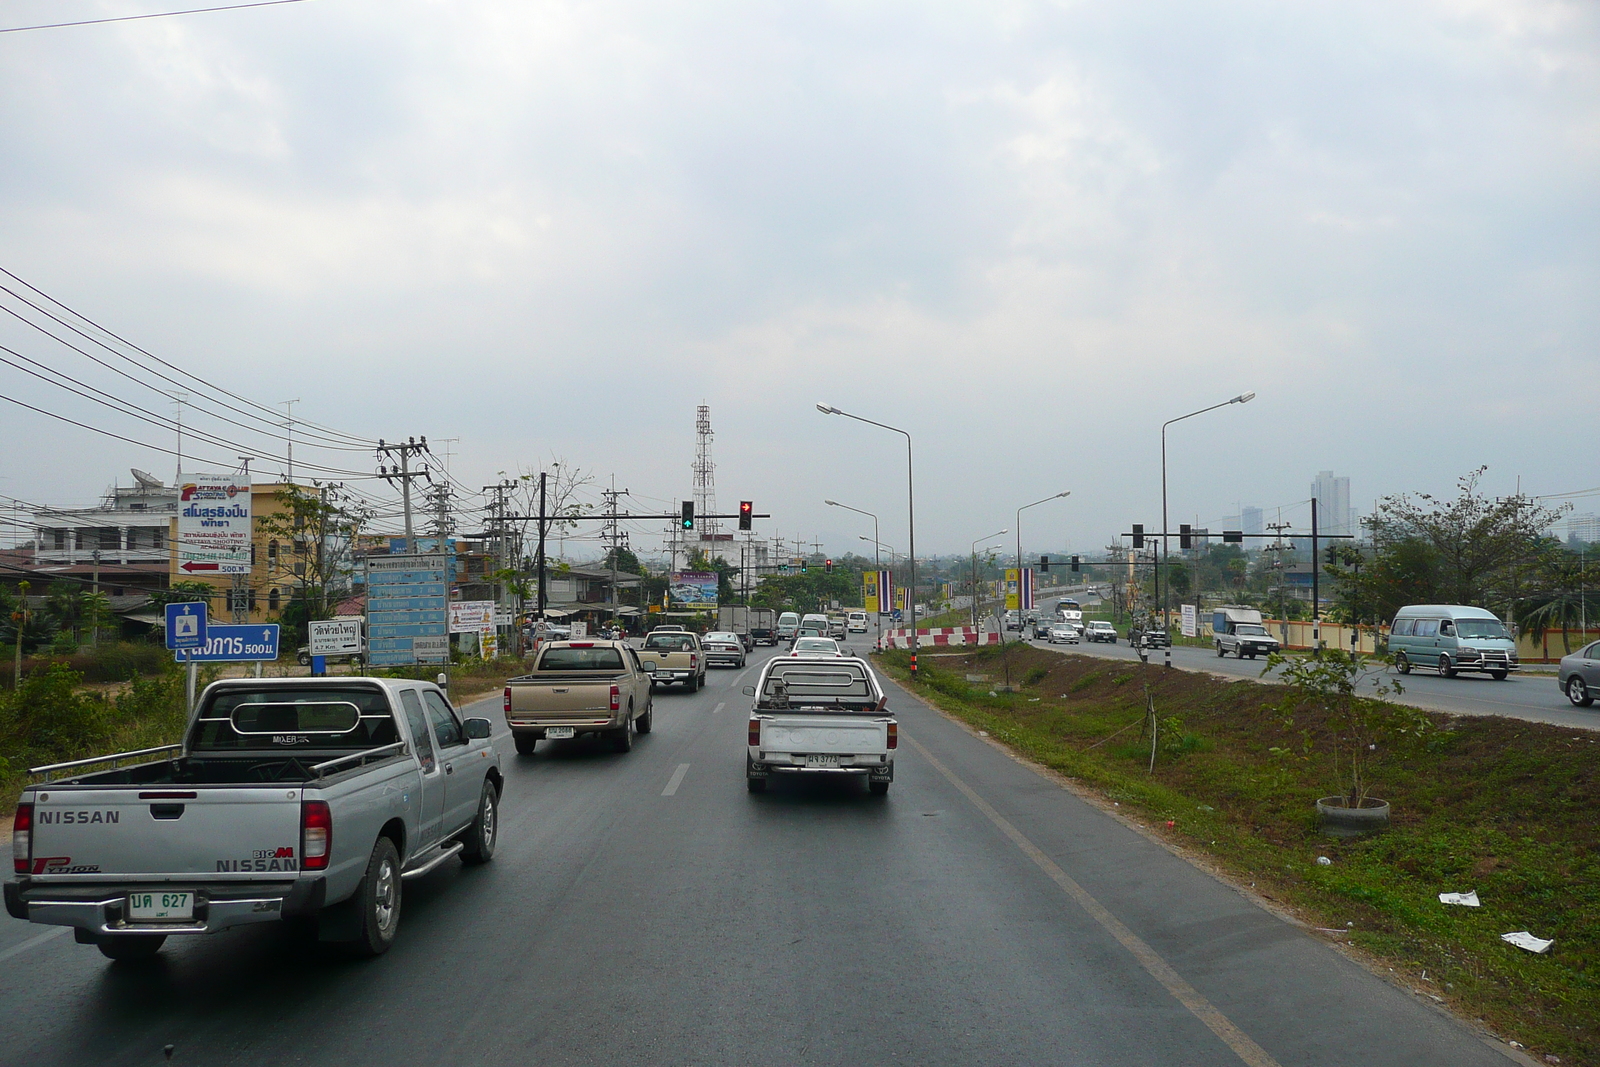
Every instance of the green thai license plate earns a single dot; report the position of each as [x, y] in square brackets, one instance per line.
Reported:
[160, 907]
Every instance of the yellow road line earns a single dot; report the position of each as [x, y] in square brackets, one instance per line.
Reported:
[1201, 1008]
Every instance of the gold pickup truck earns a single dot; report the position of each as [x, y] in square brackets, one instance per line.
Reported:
[581, 687]
[677, 656]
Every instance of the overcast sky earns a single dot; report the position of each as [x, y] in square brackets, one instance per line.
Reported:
[1028, 233]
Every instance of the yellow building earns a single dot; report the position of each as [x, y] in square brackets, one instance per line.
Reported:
[276, 563]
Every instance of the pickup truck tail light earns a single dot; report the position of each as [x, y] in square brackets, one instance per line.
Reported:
[616, 698]
[894, 735]
[755, 733]
[505, 702]
[316, 835]
[22, 839]
[694, 660]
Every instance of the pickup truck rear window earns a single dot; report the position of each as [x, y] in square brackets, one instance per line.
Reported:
[580, 659]
[277, 719]
[817, 683]
[670, 642]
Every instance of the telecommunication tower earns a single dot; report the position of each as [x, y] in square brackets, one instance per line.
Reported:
[705, 475]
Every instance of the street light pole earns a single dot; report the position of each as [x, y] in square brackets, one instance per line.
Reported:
[1163, 588]
[877, 558]
[911, 520]
[1025, 507]
[985, 537]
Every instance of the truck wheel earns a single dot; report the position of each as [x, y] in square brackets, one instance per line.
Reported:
[622, 740]
[1402, 664]
[1498, 676]
[478, 842]
[756, 785]
[378, 901]
[1220, 650]
[878, 789]
[1446, 670]
[646, 722]
[130, 948]
[525, 743]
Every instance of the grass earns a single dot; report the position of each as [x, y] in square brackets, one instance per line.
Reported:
[1501, 806]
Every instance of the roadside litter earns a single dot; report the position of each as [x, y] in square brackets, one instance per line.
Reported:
[1468, 899]
[1523, 939]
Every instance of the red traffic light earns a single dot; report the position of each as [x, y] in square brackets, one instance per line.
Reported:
[747, 511]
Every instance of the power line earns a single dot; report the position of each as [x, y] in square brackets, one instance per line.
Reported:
[152, 15]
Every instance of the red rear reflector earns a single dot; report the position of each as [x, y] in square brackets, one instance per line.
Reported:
[755, 733]
[616, 698]
[894, 735]
[169, 795]
[22, 838]
[316, 835]
[506, 705]
[580, 644]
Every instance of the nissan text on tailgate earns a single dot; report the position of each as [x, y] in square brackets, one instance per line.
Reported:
[820, 716]
[289, 798]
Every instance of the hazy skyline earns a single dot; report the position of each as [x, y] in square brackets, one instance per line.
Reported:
[1028, 233]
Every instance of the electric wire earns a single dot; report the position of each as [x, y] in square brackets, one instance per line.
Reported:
[151, 15]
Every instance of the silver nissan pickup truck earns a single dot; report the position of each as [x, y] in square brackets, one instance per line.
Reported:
[311, 798]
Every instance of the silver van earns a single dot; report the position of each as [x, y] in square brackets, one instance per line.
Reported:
[1450, 638]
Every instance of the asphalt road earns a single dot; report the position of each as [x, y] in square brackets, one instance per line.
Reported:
[1535, 697]
[644, 909]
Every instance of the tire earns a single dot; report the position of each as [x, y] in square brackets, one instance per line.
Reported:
[1402, 664]
[377, 901]
[622, 740]
[1499, 676]
[1221, 652]
[478, 842]
[1446, 670]
[693, 684]
[304, 661]
[525, 743]
[878, 789]
[756, 785]
[1579, 693]
[646, 722]
[130, 948]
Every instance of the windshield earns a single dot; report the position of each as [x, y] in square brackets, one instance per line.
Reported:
[1250, 628]
[1480, 628]
[815, 644]
[581, 659]
[670, 642]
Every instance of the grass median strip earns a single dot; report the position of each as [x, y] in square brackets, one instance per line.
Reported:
[1501, 806]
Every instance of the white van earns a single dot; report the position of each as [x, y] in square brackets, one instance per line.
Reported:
[788, 626]
[1450, 638]
[857, 622]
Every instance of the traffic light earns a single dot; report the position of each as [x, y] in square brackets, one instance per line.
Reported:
[1332, 554]
[688, 514]
[827, 566]
[1044, 564]
[1233, 537]
[1184, 539]
[747, 511]
[1138, 535]
[1076, 560]
[802, 566]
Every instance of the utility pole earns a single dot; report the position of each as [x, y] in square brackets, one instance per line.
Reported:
[1277, 565]
[288, 427]
[613, 538]
[403, 473]
[1316, 588]
[543, 585]
[94, 634]
[20, 618]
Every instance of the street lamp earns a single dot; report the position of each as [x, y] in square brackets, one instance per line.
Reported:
[877, 559]
[1165, 586]
[1025, 507]
[985, 537]
[911, 519]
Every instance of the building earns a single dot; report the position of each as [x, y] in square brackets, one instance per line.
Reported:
[125, 541]
[1335, 516]
[1584, 528]
[1250, 521]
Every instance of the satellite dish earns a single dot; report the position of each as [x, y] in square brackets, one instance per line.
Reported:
[145, 480]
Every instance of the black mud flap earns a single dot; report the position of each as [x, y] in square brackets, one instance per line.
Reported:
[342, 921]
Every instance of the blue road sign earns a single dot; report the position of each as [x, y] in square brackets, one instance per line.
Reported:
[233, 644]
[186, 625]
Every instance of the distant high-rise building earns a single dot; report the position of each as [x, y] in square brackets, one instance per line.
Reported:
[1334, 513]
[1250, 520]
[1585, 528]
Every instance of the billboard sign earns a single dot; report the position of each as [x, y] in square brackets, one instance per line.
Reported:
[472, 616]
[214, 525]
[408, 609]
[694, 589]
[1191, 621]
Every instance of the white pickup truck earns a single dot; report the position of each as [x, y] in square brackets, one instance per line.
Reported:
[288, 798]
[820, 716]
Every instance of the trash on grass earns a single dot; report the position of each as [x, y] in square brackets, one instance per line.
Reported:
[1468, 899]
[1523, 939]
[1323, 861]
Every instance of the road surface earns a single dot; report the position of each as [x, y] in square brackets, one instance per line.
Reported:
[644, 909]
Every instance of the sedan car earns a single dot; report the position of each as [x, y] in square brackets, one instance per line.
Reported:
[1100, 630]
[1063, 633]
[816, 646]
[724, 648]
[1579, 675]
[1039, 629]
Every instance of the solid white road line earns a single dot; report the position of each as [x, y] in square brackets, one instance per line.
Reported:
[672, 785]
[719, 707]
[17, 950]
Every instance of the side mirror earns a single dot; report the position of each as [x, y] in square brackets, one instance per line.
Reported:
[649, 666]
[749, 690]
[478, 728]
